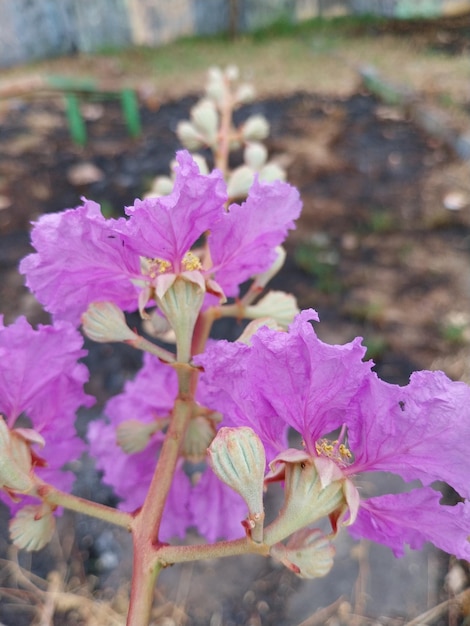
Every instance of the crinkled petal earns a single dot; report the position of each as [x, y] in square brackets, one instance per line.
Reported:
[227, 389]
[81, 257]
[217, 511]
[243, 242]
[309, 384]
[415, 431]
[414, 518]
[285, 379]
[41, 379]
[168, 226]
[150, 395]
[39, 373]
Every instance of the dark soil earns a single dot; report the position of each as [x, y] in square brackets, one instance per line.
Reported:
[375, 252]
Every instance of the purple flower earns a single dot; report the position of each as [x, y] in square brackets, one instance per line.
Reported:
[41, 387]
[417, 431]
[81, 257]
[147, 400]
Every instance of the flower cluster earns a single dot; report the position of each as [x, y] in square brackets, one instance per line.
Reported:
[183, 255]
[350, 423]
[82, 257]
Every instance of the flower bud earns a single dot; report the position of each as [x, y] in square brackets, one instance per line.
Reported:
[261, 280]
[255, 155]
[198, 437]
[133, 436]
[237, 457]
[271, 172]
[206, 120]
[244, 94]
[278, 305]
[308, 553]
[32, 527]
[254, 326]
[232, 73]
[104, 321]
[159, 327]
[240, 181]
[256, 128]
[162, 186]
[15, 461]
[189, 135]
[215, 86]
[201, 163]
[180, 299]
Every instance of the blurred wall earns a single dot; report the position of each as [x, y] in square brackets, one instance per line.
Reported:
[35, 29]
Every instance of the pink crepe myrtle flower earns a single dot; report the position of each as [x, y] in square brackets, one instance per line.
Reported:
[81, 257]
[417, 431]
[41, 387]
[148, 399]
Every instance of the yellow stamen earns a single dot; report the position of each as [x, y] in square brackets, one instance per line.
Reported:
[191, 262]
[331, 450]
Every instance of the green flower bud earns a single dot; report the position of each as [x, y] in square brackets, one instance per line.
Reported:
[15, 459]
[255, 155]
[189, 135]
[256, 128]
[206, 120]
[308, 553]
[278, 305]
[32, 527]
[104, 321]
[237, 457]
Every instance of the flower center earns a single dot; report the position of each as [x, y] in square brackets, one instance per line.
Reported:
[335, 450]
[154, 267]
[191, 262]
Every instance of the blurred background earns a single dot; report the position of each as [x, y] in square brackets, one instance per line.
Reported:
[369, 109]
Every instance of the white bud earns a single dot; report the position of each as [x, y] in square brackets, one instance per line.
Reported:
[244, 94]
[215, 87]
[104, 321]
[206, 120]
[255, 128]
[162, 186]
[189, 135]
[240, 181]
[255, 155]
[201, 163]
[254, 326]
[32, 527]
[232, 73]
[237, 457]
[271, 172]
[278, 305]
[308, 553]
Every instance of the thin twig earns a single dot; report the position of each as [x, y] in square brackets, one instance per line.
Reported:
[428, 617]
